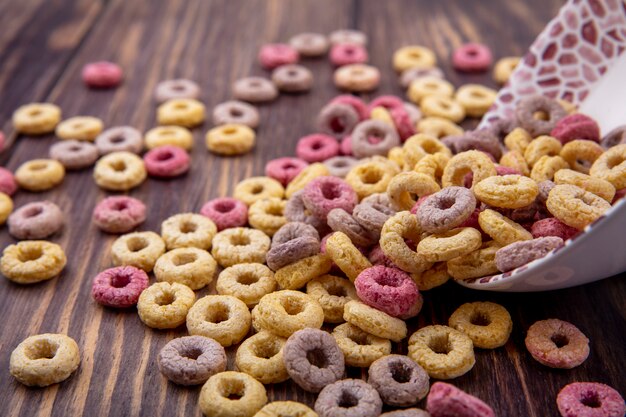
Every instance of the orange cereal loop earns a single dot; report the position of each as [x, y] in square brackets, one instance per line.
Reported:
[374, 321]
[476, 264]
[518, 140]
[433, 277]
[581, 154]
[418, 146]
[501, 229]
[403, 186]
[360, 348]
[442, 106]
[395, 232]
[438, 127]
[285, 312]
[221, 317]
[463, 163]
[304, 177]
[413, 56]
[488, 324]
[515, 160]
[611, 166]
[440, 247]
[545, 168]
[574, 206]
[432, 165]
[370, 177]
[427, 86]
[596, 186]
[476, 99]
[254, 189]
[346, 256]
[541, 146]
[298, 274]
[507, 191]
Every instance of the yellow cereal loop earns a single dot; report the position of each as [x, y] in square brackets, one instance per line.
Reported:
[440, 247]
[382, 114]
[165, 306]
[463, 163]
[507, 191]
[230, 139]
[119, 171]
[611, 166]
[433, 277]
[188, 230]
[248, 281]
[438, 127]
[221, 317]
[374, 321]
[568, 106]
[476, 99]
[596, 186]
[418, 146]
[518, 140]
[285, 312]
[545, 168]
[298, 274]
[190, 266]
[432, 165]
[581, 154]
[267, 215]
[488, 324]
[304, 177]
[232, 394]
[504, 68]
[32, 261]
[254, 189]
[404, 185]
[541, 146]
[501, 229]
[515, 160]
[442, 106]
[370, 177]
[6, 207]
[428, 86]
[239, 245]
[332, 293]
[286, 409]
[360, 348]
[39, 174]
[346, 256]
[574, 206]
[396, 154]
[36, 118]
[396, 230]
[185, 112]
[138, 249]
[476, 264]
[80, 128]
[413, 56]
[169, 135]
[261, 357]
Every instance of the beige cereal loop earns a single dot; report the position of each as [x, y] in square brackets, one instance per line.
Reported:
[360, 348]
[119, 171]
[438, 127]
[232, 394]
[463, 163]
[346, 256]
[230, 139]
[581, 154]
[285, 312]
[504, 68]
[267, 215]
[371, 177]
[502, 229]
[304, 177]
[401, 226]
[138, 249]
[404, 185]
[165, 306]
[488, 324]
[433, 277]
[185, 112]
[6, 207]
[429, 86]
[421, 145]
[507, 191]
[442, 351]
[169, 135]
[476, 99]
[541, 146]
[515, 160]
[413, 56]
[574, 206]
[432, 165]
[221, 317]
[357, 78]
[44, 359]
[545, 168]
[332, 293]
[249, 282]
[442, 106]
[476, 264]
[299, 273]
[254, 189]
[518, 140]
[261, 357]
[188, 230]
[36, 118]
[286, 409]
[32, 261]
[611, 166]
[240, 245]
[190, 266]
[597, 186]
[80, 128]
[39, 174]
[440, 247]
[374, 321]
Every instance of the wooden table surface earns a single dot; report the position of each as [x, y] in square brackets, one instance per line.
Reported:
[43, 46]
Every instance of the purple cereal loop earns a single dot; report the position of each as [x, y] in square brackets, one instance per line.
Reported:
[166, 161]
[74, 154]
[295, 211]
[254, 89]
[446, 209]
[236, 112]
[294, 230]
[317, 148]
[520, 253]
[119, 214]
[36, 220]
[292, 78]
[445, 400]
[472, 57]
[501, 128]
[387, 289]
[119, 139]
[291, 251]
[339, 166]
[323, 194]
[284, 169]
[8, 185]
[399, 380]
[372, 213]
[337, 120]
[615, 137]
[480, 140]
[528, 106]
[373, 137]
[590, 399]
[347, 53]
[348, 398]
[119, 287]
[191, 360]
[226, 212]
[356, 103]
[341, 221]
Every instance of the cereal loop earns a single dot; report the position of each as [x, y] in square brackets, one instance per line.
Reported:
[79, 128]
[232, 394]
[475, 99]
[374, 321]
[36, 118]
[442, 106]
[284, 409]
[248, 282]
[191, 360]
[119, 171]
[574, 206]
[611, 166]
[186, 112]
[360, 348]
[487, 324]
[254, 189]
[581, 154]
[39, 174]
[32, 261]
[221, 317]
[502, 229]
[285, 312]
[596, 186]
[139, 249]
[476, 264]
[557, 344]
[165, 306]
[589, 399]
[393, 237]
[413, 56]
[332, 293]
[169, 135]
[238, 245]
[448, 245]
[261, 356]
[345, 255]
[429, 86]
[230, 139]
[507, 191]
[476, 162]
[299, 273]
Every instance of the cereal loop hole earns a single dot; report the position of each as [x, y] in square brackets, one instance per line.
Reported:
[232, 389]
[117, 139]
[30, 254]
[229, 130]
[192, 353]
[559, 340]
[41, 349]
[240, 240]
[337, 124]
[34, 112]
[400, 372]
[120, 281]
[136, 243]
[336, 290]
[38, 166]
[225, 206]
[347, 400]
[440, 344]
[188, 227]
[316, 357]
[118, 165]
[247, 278]
[292, 307]
[371, 176]
[480, 319]
[257, 189]
[590, 399]
[218, 313]
[33, 212]
[164, 156]
[184, 259]
[165, 298]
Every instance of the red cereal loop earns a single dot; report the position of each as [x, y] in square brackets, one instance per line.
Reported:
[472, 57]
[590, 399]
[345, 147]
[226, 212]
[276, 54]
[166, 161]
[285, 169]
[317, 148]
[348, 53]
[553, 227]
[102, 74]
[356, 103]
[576, 126]
[324, 194]
[119, 287]
[619, 194]
[402, 121]
[387, 289]
[7, 181]
[446, 400]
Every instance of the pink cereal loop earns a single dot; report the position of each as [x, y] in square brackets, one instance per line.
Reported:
[274, 55]
[348, 53]
[355, 102]
[590, 399]
[285, 169]
[102, 74]
[119, 214]
[472, 57]
[317, 148]
[119, 287]
[166, 161]
[226, 212]
[7, 181]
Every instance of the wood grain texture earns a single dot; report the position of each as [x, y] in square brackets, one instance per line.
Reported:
[43, 46]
